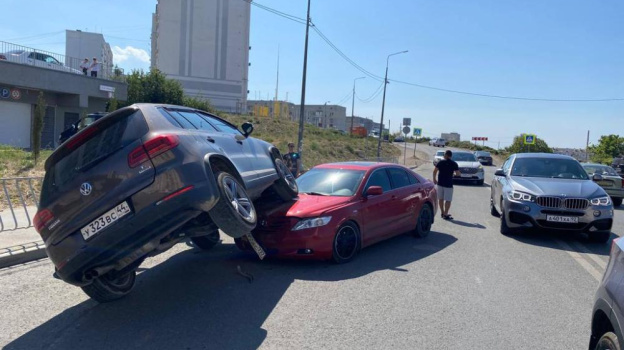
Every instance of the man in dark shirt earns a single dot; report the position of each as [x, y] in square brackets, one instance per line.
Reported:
[443, 177]
[292, 160]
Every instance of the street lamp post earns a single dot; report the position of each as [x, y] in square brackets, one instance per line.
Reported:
[383, 104]
[353, 106]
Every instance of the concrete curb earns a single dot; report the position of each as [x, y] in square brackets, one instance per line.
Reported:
[22, 254]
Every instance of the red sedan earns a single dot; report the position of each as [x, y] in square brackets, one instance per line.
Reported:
[343, 207]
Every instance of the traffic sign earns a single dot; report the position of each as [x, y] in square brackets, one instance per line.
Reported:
[5, 93]
[479, 138]
[407, 122]
[529, 139]
[406, 130]
[16, 94]
[417, 132]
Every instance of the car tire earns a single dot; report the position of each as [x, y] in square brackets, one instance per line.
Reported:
[424, 223]
[208, 241]
[600, 236]
[110, 287]
[493, 210]
[232, 217]
[617, 202]
[286, 186]
[346, 243]
[608, 341]
[504, 229]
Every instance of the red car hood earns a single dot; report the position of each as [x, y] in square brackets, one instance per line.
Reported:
[306, 206]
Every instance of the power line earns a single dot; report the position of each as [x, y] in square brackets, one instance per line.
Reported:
[344, 99]
[38, 36]
[372, 96]
[379, 78]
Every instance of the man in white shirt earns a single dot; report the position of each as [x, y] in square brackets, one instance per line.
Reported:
[95, 67]
[85, 66]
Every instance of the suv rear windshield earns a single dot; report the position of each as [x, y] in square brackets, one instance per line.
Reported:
[112, 134]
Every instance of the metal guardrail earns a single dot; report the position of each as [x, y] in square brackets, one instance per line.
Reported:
[45, 59]
[19, 200]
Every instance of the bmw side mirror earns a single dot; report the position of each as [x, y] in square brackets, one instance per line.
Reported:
[247, 128]
[597, 177]
[499, 172]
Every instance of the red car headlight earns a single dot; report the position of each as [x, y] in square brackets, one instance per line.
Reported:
[311, 223]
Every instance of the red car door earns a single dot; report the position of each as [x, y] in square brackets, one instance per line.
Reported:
[379, 212]
[408, 200]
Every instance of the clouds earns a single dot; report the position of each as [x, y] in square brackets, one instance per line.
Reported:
[130, 58]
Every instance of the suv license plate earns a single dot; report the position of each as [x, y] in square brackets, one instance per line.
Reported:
[564, 219]
[105, 220]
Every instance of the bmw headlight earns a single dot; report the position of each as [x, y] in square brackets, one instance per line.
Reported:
[601, 201]
[311, 223]
[521, 196]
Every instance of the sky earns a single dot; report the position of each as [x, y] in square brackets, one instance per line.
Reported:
[555, 49]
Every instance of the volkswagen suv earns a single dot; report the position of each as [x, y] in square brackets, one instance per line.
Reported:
[143, 178]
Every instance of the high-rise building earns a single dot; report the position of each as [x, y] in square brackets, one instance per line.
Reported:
[80, 45]
[204, 44]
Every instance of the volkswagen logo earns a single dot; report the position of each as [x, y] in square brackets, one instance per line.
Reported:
[85, 189]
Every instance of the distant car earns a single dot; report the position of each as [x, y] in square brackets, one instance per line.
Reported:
[399, 139]
[438, 157]
[143, 178]
[79, 125]
[551, 192]
[437, 143]
[611, 181]
[469, 167]
[607, 315]
[343, 207]
[37, 59]
[484, 157]
[618, 165]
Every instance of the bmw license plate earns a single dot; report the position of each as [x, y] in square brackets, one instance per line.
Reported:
[562, 219]
[105, 220]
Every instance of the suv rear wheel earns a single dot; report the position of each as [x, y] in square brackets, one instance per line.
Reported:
[234, 212]
[608, 341]
[110, 287]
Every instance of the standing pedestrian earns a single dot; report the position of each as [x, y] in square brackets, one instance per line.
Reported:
[443, 177]
[292, 160]
[95, 67]
[85, 66]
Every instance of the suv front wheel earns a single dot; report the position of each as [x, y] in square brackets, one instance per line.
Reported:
[234, 212]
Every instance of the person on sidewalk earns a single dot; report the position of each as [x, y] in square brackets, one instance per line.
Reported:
[85, 66]
[292, 160]
[443, 178]
[95, 67]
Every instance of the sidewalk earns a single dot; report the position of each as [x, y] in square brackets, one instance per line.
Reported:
[412, 161]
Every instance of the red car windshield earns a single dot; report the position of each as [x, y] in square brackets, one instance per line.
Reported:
[330, 182]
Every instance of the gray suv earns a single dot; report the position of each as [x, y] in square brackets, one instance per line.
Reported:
[550, 191]
[143, 178]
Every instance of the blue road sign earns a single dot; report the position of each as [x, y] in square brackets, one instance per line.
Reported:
[417, 132]
[529, 139]
[5, 93]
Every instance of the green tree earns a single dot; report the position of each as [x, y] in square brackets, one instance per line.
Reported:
[37, 126]
[198, 103]
[153, 87]
[518, 146]
[608, 147]
[112, 105]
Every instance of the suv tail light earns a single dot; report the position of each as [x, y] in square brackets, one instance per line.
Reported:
[152, 148]
[42, 219]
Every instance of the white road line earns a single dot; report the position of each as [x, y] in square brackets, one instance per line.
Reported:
[602, 263]
[579, 259]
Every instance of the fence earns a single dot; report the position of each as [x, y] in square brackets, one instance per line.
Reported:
[50, 60]
[19, 200]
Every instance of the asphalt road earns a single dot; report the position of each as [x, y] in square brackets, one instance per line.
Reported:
[466, 286]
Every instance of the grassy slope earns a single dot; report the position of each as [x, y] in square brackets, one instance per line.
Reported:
[320, 146]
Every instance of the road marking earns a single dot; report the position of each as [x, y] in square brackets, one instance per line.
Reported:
[579, 259]
[594, 257]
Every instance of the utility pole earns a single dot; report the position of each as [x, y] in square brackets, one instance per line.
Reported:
[383, 104]
[303, 85]
[587, 148]
[353, 105]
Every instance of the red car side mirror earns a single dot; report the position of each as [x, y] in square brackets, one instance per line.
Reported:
[374, 191]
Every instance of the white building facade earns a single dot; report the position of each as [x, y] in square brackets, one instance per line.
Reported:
[204, 44]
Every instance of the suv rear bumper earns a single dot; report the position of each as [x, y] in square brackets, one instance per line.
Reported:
[74, 256]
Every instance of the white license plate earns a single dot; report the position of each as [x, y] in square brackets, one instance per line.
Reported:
[105, 220]
[564, 219]
[466, 175]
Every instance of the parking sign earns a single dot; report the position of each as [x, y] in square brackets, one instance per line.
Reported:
[529, 139]
[417, 132]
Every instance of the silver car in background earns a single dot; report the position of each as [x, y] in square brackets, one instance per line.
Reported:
[38, 59]
[550, 192]
[469, 167]
[484, 157]
[612, 183]
[437, 142]
[438, 157]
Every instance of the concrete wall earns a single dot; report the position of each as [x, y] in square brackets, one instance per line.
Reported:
[452, 136]
[204, 44]
[324, 116]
